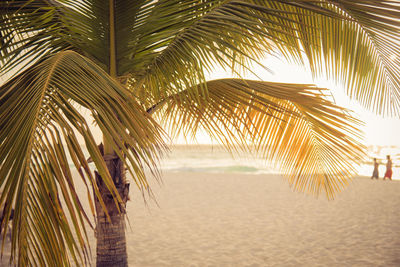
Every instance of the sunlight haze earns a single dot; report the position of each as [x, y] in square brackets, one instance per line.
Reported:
[378, 130]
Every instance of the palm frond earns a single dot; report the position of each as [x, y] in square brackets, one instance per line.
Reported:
[358, 48]
[227, 33]
[130, 19]
[293, 124]
[29, 30]
[353, 42]
[169, 44]
[39, 129]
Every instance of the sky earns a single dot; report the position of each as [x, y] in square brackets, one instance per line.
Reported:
[378, 131]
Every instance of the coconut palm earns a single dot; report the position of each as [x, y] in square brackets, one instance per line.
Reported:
[139, 68]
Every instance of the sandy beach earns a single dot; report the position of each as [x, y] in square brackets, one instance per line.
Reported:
[206, 219]
[256, 220]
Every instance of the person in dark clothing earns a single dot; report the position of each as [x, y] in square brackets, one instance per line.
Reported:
[375, 173]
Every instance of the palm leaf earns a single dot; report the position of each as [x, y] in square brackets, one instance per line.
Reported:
[39, 128]
[359, 49]
[224, 33]
[169, 44]
[295, 125]
[353, 42]
[29, 30]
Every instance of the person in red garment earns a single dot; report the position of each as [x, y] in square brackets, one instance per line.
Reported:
[389, 172]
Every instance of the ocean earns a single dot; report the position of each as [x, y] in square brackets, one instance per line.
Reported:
[215, 159]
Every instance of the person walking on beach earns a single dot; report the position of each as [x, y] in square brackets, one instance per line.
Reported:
[375, 173]
[389, 172]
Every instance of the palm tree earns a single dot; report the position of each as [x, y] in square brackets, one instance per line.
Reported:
[139, 69]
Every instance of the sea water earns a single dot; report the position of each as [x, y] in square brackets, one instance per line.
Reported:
[216, 159]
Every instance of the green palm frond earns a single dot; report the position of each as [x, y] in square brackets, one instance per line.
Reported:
[30, 30]
[345, 40]
[294, 124]
[169, 44]
[130, 19]
[230, 34]
[39, 125]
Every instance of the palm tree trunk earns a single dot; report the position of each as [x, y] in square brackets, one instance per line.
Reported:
[110, 234]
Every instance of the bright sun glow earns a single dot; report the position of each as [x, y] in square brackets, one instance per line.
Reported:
[378, 131]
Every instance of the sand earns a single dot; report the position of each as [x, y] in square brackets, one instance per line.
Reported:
[206, 219]
[256, 220]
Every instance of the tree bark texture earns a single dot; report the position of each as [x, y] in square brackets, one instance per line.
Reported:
[110, 235]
